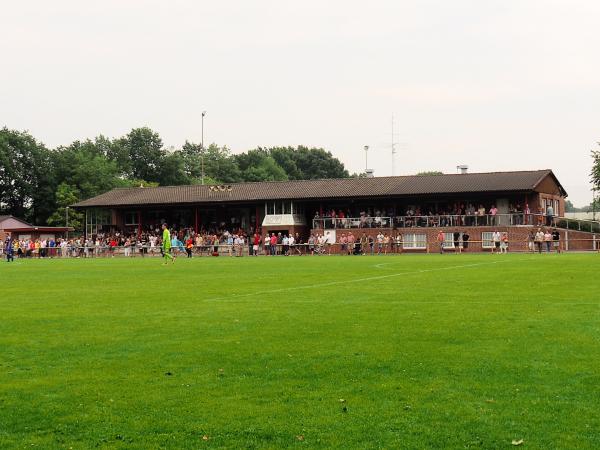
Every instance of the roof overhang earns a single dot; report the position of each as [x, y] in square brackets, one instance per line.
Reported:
[39, 229]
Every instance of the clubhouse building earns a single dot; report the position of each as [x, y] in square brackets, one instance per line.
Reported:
[415, 206]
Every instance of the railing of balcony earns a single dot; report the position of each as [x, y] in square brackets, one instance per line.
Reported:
[452, 220]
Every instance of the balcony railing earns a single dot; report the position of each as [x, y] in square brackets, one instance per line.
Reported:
[452, 220]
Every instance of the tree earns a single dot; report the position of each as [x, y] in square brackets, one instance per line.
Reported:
[139, 154]
[595, 174]
[84, 166]
[303, 163]
[171, 171]
[221, 165]
[266, 170]
[26, 177]
[286, 157]
[191, 155]
[66, 195]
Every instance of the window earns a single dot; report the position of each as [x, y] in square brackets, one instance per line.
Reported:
[486, 239]
[413, 240]
[96, 219]
[278, 208]
[449, 240]
[298, 208]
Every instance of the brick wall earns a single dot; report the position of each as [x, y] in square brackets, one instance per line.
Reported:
[517, 237]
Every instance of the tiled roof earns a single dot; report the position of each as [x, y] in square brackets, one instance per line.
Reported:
[6, 217]
[330, 188]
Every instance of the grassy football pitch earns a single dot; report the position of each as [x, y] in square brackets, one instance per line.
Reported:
[411, 351]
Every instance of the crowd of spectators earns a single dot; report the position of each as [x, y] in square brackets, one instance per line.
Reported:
[457, 214]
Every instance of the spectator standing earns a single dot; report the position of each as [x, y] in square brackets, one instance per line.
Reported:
[351, 243]
[398, 239]
[285, 242]
[380, 238]
[556, 240]
[539, 240]
[457, 246]
[531, 241]
[440, 239]
[189, 246]
[239, 243]
[493, 212]
[386, 243]
[504, 243]
[311, 244]
[548, 241]
[9, 249]
[230, 243]
[298, 244]
[364, 242]
[127, 249]
[496, 241]
[549, 215]
[343, 244]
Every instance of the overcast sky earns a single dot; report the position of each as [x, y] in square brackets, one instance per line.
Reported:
[497, 85]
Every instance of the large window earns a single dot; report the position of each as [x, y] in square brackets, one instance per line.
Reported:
[487, 239]
[448, 240]
[415, 241]
[96, 219]
[298, 208]
[280, 207]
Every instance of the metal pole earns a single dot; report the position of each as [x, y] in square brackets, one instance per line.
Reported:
[393, 148]
[366, 158]
[202, 148]
[67, 220]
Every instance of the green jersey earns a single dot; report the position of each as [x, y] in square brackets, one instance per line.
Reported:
[166, 243]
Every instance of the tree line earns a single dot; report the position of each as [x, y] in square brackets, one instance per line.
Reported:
[38, 183]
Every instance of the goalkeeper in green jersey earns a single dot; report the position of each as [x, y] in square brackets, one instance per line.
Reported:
[166, 244]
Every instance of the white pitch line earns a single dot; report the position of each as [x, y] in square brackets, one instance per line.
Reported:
[356, 280]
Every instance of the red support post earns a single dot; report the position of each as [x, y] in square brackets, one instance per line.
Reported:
[256, 220]
[139, 223]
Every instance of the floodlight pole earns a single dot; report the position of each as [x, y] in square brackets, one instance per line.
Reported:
[366, 147]
[202, 149]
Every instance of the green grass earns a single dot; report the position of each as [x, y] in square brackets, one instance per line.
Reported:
[426, 351]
